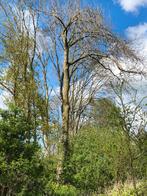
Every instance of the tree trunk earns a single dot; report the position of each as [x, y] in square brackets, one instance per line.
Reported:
[66, 108]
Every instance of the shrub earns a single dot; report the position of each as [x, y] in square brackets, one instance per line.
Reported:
[128, 190]
[56, 189]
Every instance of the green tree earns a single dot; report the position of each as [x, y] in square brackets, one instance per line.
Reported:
[21, 167]
[98, 159]
[100, 155]
[141, 155]
[104, 113]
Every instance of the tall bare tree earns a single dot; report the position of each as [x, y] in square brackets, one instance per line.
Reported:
[79, 39]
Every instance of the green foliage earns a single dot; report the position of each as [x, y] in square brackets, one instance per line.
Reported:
[98, 159]
[56, 189]
[128, 190]
[21, 167]
[94, 163]
[141, 161]
[105, 113]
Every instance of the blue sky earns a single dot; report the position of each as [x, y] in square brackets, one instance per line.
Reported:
[122, 13]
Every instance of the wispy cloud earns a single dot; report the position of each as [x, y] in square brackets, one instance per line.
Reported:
[138, 36]
[132, 5]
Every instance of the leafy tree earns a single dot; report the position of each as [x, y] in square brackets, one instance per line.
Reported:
[100, 155]
[98, 159]
[141, 155]
[104, 113]
[21, 167]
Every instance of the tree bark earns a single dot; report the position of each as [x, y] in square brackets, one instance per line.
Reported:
[65, 106]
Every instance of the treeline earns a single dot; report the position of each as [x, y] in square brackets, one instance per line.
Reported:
[59, 135]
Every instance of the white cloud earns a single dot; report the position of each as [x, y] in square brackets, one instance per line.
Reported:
[26, 19]
[3, 97]
[139, 31]
[132, 5]
[138, 36]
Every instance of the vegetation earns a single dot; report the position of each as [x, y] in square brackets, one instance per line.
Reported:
[58, 135]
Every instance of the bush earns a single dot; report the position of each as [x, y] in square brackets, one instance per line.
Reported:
[128, 190]
[56, 189]
[21, 166]
[89, 166]
[99, 158]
